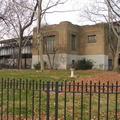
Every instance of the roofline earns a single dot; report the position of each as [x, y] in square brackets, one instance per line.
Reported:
[13, 39]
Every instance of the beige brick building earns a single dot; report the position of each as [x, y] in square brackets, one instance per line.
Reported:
[72, 43]
[65, 43]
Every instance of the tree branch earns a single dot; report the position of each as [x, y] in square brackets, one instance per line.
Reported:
[23, 5]
[31, 20]
[112, 8]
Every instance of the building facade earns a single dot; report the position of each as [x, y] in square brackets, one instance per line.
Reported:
[9, 53]
[63, 45]
[73, 43]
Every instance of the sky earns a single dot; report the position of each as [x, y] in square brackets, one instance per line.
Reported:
[73, 17]
[57, 17]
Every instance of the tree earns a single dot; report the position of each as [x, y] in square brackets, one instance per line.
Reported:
[107, 11]
[41, 12]
[114, 26]
[3, 10]
[42, 8]
[18, 21]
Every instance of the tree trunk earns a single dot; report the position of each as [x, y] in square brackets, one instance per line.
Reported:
[116, 57]
[40, 37]
[19, 64]
[49, 59]
[41, 53]
[115, 63]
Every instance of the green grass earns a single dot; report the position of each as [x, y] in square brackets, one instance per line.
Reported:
[69, 105]
[52, 75]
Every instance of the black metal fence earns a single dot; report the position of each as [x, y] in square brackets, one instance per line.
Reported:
[33, 100]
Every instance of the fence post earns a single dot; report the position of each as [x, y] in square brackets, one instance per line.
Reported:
[2, 99]
[20, 99]
[26, 99]
[8, 99]
[48, 99]
[107, 101]
[73, 112]
[13, 99]
[116, 104]
[40, 100]
[90, 102]
[56, 100]
[99, 99]
[82, 101]
[33, 83]
[65, 84]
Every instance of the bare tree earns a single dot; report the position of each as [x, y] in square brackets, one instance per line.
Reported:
[18, 21]
[3, 11]
[114, 26]
[51, 55]
[107, 11]
[43, 7]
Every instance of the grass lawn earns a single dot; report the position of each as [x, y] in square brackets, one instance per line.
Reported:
[13, 106]
[52, 75]
[13, 102]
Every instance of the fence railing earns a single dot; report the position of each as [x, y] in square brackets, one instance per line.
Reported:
[37, 100]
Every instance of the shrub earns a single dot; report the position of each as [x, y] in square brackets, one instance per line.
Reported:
[85, 64]
[37, 66]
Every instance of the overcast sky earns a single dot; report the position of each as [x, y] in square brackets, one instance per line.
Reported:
[74, 17]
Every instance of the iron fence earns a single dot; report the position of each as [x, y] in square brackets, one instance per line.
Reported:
[37, 100]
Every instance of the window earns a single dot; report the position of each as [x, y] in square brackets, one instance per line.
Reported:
[91, 38]
[109, 62]
[48, 46]
[73, 41]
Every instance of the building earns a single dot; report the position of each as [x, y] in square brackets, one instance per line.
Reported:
[66, 43]
[73, 43]
[9, 52]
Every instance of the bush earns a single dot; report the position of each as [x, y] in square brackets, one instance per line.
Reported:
[85, 64]
[37, 66]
